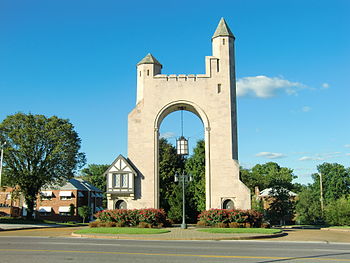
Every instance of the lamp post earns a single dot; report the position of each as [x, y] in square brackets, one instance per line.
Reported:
[1, 160]
[182, 149]
[183, 178]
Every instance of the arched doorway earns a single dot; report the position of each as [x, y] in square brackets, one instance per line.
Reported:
[120, 204]
[228, 204]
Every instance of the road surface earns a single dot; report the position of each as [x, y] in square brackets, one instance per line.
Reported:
[61, 249]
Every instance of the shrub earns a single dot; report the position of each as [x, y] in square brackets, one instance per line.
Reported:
[245, 218]
[133, 217]
[144, 225]
[221, 225]
[93, 224]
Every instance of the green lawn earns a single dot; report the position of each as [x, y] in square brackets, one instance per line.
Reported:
[121, 230]
[339, 227]
[241, 230]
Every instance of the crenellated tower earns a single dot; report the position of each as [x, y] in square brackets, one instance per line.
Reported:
[212, 97]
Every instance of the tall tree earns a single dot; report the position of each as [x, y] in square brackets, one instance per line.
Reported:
[39, 151]
[267, 175]
[94, 174]
[169, 164]
[335, 180]
[195, 165]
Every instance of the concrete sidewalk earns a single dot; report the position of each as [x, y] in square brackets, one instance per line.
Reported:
[9, 227]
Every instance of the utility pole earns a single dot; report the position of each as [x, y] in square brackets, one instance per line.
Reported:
[1, 160]
[321, 193]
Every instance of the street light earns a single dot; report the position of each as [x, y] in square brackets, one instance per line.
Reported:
[182, 149]
[183, 178]
[2, 157]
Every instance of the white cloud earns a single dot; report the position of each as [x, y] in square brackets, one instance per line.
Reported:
[306, 109]
[347, 145]
[325, 85]
[309, 158]
[270, 155]
[320, 156]
[348, 154]
[265, 87]
[167, 135]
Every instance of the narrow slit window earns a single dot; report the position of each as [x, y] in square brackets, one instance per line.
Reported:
[147, 72]
[140, 73]
[219, 88]
[223, 41]
[217, 66]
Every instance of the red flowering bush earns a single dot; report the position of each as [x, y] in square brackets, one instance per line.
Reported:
[133, 217]
[213, 217]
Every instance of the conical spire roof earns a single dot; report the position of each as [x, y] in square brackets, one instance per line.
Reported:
[149, 59]
[223, 30]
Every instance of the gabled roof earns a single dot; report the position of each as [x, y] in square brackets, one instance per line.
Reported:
[119, 160]
[74, 184]
[223, 30]
[149, 59]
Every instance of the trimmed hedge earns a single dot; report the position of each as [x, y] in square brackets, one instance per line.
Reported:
[218, 217]
[133, 217]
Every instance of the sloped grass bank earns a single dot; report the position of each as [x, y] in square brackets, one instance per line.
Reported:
[122, 230]
[241, 230]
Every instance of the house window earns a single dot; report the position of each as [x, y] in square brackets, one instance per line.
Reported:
[121, 180]
[121, 204]
[228, 204]
[66, 198]
[66, 195]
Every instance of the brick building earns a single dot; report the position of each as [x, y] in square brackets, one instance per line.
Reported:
[57, 203]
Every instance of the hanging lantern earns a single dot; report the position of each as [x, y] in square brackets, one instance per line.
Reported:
[182, 146]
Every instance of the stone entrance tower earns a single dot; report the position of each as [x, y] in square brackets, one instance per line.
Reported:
[212, 97]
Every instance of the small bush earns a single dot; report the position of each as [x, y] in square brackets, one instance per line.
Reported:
[221, 225]
[111, 224]
[201, 224]
[144, 225]
[94, 224]
[233, 225]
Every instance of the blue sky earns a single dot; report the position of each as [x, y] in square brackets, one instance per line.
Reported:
[77, 60]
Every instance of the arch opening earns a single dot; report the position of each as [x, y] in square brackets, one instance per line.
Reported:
[196, 110]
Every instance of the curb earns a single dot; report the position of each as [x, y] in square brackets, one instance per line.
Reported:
[121, 237]
[335, 229]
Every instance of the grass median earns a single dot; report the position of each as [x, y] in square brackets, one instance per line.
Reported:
[122, 230]
[241, 230]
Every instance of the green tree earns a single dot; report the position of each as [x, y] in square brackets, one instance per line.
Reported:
[267, 175]
[281, 209]
[335, 181]
[169, 164]
[337, 212]
[94, 174]
[84, 212]
[39, 151]
[195, 165]
[308, 206]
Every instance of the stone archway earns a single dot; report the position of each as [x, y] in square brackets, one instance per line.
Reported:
[195, 109]
[212, 97]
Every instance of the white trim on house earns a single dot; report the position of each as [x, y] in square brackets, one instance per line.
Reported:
[47, 193]
[64, 209]
[65, 193]
[45, 209]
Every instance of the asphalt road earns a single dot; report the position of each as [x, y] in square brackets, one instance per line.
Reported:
[53, 249]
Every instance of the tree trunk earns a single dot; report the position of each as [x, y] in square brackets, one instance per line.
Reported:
[30, 208]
